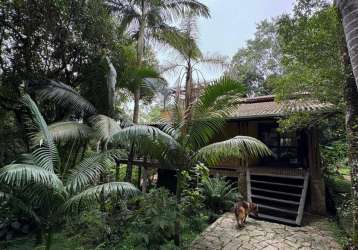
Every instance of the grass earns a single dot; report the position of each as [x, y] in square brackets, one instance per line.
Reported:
[339, 188]
[344, 170]
[339, 234]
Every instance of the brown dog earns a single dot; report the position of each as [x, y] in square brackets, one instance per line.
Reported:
[242, 209]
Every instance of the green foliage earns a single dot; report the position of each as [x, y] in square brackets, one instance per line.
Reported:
[219, 195]
[98, 230]
[47, 190]
[311, 45]
[339, 189]
[152, 224]
[334, 156]
[259, 61]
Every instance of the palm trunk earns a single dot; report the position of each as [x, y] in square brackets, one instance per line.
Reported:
[177, 220]
[351, 96]
[117, 169]
[136, 106]
[351, 99]
[49, 239]
[140, 53]
[145, 179]
[188, 97]
[188, 86]
[129, 171]
[349, 13]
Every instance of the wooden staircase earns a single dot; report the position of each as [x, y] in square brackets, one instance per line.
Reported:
[280, 198]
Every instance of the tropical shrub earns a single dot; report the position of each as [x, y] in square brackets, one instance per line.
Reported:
[151, 225]
[219, 195]
[48, 191]
[96, 228]
[334, 156]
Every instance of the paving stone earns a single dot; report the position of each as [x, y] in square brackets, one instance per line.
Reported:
[224, 235]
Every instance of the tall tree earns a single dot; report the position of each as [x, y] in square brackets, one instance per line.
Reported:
[188, 63]
[259, 61]
[349, 12]
[349, 17]
[150, 19]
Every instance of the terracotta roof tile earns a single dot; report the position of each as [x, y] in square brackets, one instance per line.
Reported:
[265, 106]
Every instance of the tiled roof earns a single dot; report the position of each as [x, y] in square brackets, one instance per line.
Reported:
[265, 106]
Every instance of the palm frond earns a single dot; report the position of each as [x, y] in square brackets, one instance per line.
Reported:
[90, 197]
[63, 95]
[175, 38]
[214, 61]
[89, 170]
[66, 131]
[210, 111]
[139, 133]
[24, 174]
[149, 140]
[222, 94]
[239, 147]
[105, 127]
[184, 7]
[47, 147]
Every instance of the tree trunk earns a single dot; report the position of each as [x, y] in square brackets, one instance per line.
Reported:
[351, 96]
[140, 53]
[129, 170]
[49, 239]
[349, 13]
[145, 179]
[117, 169]
[177, 219]
[188, 86]
[136, 106]
[351, 99]
[188, 98]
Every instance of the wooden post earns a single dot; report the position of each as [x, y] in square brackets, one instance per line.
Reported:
[145, 179]
[317, 186]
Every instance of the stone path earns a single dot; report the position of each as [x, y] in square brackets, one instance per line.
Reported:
[257, 234]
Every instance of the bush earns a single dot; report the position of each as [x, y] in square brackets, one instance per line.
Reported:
[96, 228]
[219, 196]
[152, 225]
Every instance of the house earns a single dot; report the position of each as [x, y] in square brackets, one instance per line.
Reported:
[282, 183]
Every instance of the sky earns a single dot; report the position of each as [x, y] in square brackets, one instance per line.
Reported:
[232, 23]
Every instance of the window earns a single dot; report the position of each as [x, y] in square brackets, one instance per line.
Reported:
[285, 147]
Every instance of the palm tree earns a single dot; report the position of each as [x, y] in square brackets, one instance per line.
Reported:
[182, 144]
[190, 60]
[349, 13]
[49, 189]
[149, 19]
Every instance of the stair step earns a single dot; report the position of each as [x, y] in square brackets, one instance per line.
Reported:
[274, 199]
[277, 183]
[275, 192]
[279, 176]
[274, 218]
[278, 209]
